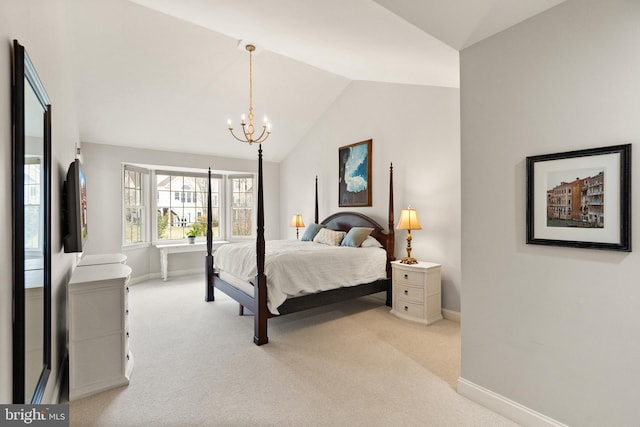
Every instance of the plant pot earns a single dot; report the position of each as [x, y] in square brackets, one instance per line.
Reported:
[192, 239]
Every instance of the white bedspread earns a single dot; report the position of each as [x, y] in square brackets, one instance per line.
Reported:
[295, 268]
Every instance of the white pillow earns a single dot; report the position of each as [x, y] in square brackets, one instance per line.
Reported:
[329, 237]
[370, 242]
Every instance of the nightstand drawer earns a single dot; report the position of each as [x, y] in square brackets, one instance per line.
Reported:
[408, 277]
[411, 309]
[409, 293]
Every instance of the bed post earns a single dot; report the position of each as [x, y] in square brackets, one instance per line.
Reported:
[317, 219]
[209, 296]
[261, 313]
[391, 236]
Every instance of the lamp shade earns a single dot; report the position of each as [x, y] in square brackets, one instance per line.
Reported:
[296, 221]
[409, 220]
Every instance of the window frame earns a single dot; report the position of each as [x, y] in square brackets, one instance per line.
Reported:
[182, 196]
[228, 225]
[150, 197]
[145, 175]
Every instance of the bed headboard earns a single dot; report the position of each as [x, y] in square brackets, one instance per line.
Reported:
[344, 221]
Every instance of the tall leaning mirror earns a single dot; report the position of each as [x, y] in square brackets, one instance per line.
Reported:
[31, 117]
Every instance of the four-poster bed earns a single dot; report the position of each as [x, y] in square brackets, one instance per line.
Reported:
[254, 295]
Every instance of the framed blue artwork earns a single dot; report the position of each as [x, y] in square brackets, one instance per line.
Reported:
[354, 180]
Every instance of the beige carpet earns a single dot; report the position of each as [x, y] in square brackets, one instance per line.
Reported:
[350, 364]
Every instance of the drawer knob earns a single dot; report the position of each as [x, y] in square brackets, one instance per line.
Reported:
[127, 289]
[406, 276]
[127, 311]
[127, 356]
[127, 334]
[406, 292]
[406, 308]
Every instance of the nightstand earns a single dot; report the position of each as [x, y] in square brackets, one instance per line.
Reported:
[417, 291]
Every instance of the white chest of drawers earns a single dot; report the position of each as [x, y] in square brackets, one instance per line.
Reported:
[99, 356]
[102, 259]
[417, 291]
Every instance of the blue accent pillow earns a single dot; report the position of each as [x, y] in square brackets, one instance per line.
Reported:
[311, 231]
[356, 236]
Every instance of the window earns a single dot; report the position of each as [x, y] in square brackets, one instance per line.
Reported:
[180, 205]
[33, 222]
[241, 205]
[187, 209]
[134, 205]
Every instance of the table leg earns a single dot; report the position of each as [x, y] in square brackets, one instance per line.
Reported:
[164, 260]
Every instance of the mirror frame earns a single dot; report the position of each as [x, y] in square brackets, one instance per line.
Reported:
[23, 69]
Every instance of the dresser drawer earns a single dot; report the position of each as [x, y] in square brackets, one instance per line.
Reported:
[411, 309]
[409, 293]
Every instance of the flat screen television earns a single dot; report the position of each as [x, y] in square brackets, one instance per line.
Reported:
[75, 209]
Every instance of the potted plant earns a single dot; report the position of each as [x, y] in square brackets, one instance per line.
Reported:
[191, 235]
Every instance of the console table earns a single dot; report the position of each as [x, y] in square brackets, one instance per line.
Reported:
[175, 248]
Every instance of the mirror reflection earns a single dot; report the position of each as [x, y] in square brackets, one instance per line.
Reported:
[34, 241]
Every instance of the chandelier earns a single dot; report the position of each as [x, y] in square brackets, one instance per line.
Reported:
[248, 129]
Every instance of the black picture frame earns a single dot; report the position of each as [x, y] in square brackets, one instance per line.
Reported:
[354, 173]
[581, 198]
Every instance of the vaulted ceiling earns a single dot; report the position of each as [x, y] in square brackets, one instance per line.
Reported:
[167, 74]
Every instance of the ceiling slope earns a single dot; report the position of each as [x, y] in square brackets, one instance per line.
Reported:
[461, 23]
[356, 39]
[145, 79]
[167, 74]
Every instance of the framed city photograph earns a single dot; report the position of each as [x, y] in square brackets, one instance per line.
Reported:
[580, 198]
[354, 179]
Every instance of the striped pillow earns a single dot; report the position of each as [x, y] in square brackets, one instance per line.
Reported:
[329, 237]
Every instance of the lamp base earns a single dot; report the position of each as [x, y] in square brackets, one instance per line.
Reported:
[408, 260]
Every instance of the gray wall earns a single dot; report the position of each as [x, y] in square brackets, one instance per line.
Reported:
[39, 25]
[553, 329]
[416, 128]
[103, 170]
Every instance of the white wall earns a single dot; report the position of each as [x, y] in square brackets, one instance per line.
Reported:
[553, 329]
[102, 165]
[39, 25]
[416, 128]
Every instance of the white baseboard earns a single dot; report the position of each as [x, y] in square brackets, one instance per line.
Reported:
[172, 274]
[143, 278]
[188, 272]
[451, 315]
[505, 407]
